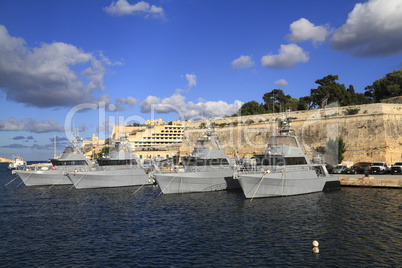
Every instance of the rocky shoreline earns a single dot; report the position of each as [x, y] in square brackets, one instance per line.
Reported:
[5, 160]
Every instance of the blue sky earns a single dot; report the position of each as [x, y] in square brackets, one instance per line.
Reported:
[85, 64]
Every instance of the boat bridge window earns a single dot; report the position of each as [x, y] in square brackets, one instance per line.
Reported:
[295, 161]
[69, 163]
[205, 162]
[267, 160]
[108, 162]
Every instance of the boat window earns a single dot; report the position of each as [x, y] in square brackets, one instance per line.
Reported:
[205, 162]
[295, 161]
[267, 160]
[217, 162]
[109, 162]
[282, 140]
[69, 163]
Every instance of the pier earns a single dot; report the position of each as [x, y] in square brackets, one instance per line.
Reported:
[382, 181]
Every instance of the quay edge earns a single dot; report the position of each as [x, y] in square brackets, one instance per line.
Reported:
[381, 181]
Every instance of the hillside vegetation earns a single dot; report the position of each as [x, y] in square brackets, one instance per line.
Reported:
[328, 91]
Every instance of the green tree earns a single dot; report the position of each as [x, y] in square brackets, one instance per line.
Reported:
[350, 97]
[277, 101]
[251, 107]
[386, 87]
[104, 151]
[335, 150]
[328, 91]
[361, 98]
[305, 103]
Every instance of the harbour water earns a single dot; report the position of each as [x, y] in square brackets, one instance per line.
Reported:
[136, 227]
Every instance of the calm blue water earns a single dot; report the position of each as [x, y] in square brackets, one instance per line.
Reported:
[63, 227]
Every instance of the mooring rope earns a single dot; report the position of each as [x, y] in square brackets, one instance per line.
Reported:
[77, 182]
[167, 185]
[259, 184]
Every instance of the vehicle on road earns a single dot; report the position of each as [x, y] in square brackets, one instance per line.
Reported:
[379, 168]
[339, 169]
[396, 168]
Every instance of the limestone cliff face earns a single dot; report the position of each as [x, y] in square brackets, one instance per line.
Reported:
[373, 134]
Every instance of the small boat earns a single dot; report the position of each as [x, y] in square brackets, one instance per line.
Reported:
[285, 170]
[17, 163]
[208, 168]
[71, 159]
[121, 167]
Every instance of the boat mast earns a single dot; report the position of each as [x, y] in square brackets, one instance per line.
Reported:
[54, 146]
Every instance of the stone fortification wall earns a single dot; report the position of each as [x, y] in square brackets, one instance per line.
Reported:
[373, 134]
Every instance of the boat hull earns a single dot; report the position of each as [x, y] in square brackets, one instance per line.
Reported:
[43, 178]
[188, 182]
[286, 184]
[109, 178]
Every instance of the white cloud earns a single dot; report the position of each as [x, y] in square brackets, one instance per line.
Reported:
[189, 110]
[192, 81]
[118, 105]
[44, 76]
[372, 29]
[242, 62]
[122, 7]
[288, 56]
[130, 101]
[302, 30]
[281, 82]
[30, 124]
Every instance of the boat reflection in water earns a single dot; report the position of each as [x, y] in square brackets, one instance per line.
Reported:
[120, 167]
[208, 168]
[284, 170]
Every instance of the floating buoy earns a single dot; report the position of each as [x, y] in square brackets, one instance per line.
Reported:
[316, 250]
[315, 243]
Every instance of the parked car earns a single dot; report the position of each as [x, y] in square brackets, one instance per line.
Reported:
[396, 168]
[379, 168]
[351, 170]
[363, 169]
[329, 168]
[339, 169]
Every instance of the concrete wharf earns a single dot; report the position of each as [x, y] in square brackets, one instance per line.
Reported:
[383, 181]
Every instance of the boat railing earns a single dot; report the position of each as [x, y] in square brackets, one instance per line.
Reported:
[37, 167]
[117, 167]
[273, 169]
[82, 169]
[184, 169]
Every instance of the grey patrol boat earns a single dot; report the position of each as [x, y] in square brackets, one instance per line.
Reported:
[71, 159]
[208, 168]
[284, 170]
[121, 167]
